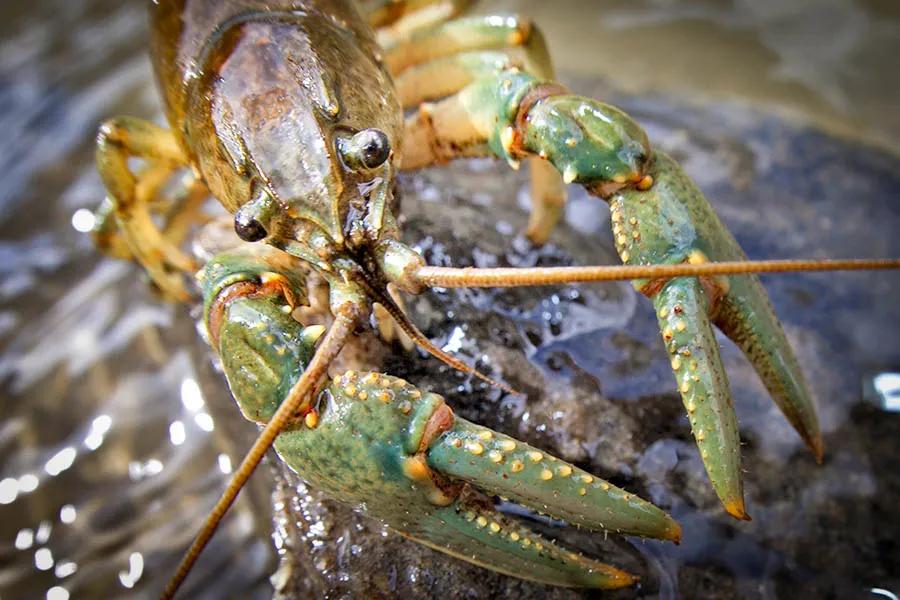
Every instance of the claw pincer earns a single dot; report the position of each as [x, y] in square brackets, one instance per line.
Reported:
[399, 454]
[659, 216]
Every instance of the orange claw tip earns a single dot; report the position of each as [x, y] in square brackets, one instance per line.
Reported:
[818, 448]
[735, 508]
[673, 532]
[613, 578]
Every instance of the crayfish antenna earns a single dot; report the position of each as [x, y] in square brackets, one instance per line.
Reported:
[329, 348]
[450, 277]
[423, 342]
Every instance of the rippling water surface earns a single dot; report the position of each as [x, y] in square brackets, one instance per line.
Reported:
[117, 432]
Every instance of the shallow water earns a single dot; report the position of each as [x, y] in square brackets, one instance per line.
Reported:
[117, 431]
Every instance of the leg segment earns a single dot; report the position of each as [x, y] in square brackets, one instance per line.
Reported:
[440, 61]
[511, 34]
[130, 196]
[396, 20]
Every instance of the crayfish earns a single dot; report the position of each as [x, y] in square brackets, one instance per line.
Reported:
[291, 114]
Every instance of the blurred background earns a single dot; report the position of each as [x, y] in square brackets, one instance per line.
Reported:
[116, 431]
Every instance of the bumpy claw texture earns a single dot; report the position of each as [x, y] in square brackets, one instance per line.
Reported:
[400, 455]
[370, 449]
[658, 217]
[673, 222]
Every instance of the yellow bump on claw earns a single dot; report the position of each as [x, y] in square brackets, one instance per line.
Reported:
[676, 363]
[370, 379]
[474, 448]
[385, 396]
[495, 526]
[582, 491]
[514, 536]
[564, 471]
[311, 419]
[495, 457]
[680, 326]
[697, 258]
[663, 312]
[535, 456]
[516, 466]
[485, 435]
[546, 474]
[481, 521]
[507, 445]
[507, 137]
[569, 174]
[362, 395]
[685, 387]
[415, 468]
[645, 183]
[587, 478]
[350, 390]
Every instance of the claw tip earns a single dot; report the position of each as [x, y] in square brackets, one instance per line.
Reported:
[817, 447]
[735, 508]
[616, 578]
[673, 532]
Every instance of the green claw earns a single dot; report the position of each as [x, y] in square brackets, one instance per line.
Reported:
[480, 534]
[682, 309]
[371, 448]
[507, 467]
[672, 222]
[746, 316]
[377, 443]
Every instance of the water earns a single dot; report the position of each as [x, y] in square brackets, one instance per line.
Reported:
[117, 431]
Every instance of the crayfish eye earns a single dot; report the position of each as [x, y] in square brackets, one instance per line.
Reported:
[248, 228]
[367, 149]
